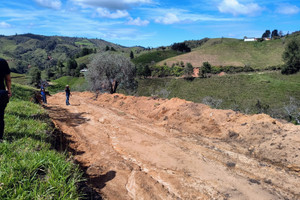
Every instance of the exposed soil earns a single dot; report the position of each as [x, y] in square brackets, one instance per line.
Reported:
[150, 148]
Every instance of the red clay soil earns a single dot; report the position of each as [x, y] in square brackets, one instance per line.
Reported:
[148, 148]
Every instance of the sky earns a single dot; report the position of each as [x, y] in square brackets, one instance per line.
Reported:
[149, 23]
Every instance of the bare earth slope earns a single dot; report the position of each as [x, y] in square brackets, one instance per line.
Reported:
[147, 148]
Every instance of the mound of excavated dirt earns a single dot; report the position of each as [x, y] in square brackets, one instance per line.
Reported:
[151, 148]
[261, 135]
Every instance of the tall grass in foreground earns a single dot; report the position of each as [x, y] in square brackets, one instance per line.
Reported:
[29, 167]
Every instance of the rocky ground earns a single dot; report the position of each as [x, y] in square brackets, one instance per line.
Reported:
[151, 148]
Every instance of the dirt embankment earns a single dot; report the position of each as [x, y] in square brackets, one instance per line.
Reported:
[148, 148]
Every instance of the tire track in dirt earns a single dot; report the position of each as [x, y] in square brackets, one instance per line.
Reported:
[128, 157]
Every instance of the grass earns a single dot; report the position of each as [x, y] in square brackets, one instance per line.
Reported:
[29, 167]
[239, 91]
[75, 83]
[84, 42]
[234, 52]
[155, 56]
[19, 78]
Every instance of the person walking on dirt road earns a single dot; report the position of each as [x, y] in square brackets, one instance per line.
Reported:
[43, 93]
[68, 93]
[4, 94]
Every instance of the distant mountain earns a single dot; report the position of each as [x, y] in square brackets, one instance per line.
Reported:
[43, 52]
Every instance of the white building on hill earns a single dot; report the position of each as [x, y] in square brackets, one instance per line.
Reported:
[252, 39]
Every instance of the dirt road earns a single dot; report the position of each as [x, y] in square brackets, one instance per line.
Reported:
[148, 148]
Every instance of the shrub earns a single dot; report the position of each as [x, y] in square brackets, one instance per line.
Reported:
[291, 56]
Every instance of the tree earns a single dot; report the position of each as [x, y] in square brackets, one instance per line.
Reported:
[206, 68]
[188, 70]
[181, 47]
[131, 55]
[143, 70]
[291, 57]
[60, 67]
[275, 34]
[50, 73]
[107, 71]
[266, 34]
[71, 66]
[35, 76]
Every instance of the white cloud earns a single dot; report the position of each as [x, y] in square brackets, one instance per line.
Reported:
[138, 22]
[288, 9]
[169, 18]
[103, 12]
[54, 4]
[111, 4]
[4, 25]
[236, 8]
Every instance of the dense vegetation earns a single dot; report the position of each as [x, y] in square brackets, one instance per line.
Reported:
[29, 166]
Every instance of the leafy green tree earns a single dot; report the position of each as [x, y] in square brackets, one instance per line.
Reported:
[108, 71]
[266, 34]
[181, 47]
[50, 73]
[160, 71]
[71, 67]
[275, 34]
[60, 67]
[205, 69]
[143, 70]
[291, 56]
[34, 76]
[176, 71]
[188, 70]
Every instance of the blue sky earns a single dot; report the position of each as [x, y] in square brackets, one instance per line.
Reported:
[149, 23]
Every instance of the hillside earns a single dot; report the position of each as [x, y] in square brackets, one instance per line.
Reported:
[45, 51]
[234, 52]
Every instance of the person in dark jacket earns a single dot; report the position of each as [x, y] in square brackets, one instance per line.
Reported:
[68, 93]
[43, 93]
[5, 92]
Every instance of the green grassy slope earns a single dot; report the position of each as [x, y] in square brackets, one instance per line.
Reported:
[154, 55]
[75, 83]
[29, 166]
[238, 92]
[233, 52]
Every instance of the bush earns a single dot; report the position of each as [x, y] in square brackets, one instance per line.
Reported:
[160, 71]
[291, 56]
